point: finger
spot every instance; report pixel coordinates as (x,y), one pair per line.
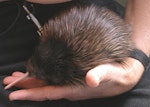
(15,75)
(38,94)
(18,74)
(28,95)
(16,81)
(27,83)
(9,79)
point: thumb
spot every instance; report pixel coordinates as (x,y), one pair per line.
(101,73)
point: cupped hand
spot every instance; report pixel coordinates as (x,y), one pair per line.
(102,81)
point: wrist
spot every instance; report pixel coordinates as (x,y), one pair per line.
(141,57)
(134,70)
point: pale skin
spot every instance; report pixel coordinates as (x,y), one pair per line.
(117,77)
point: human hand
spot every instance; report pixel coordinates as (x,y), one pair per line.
(103,81)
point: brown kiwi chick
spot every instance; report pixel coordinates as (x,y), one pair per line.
(77,40)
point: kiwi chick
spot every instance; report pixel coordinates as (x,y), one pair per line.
(77,40)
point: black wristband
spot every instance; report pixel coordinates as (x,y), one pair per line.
(140,56)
